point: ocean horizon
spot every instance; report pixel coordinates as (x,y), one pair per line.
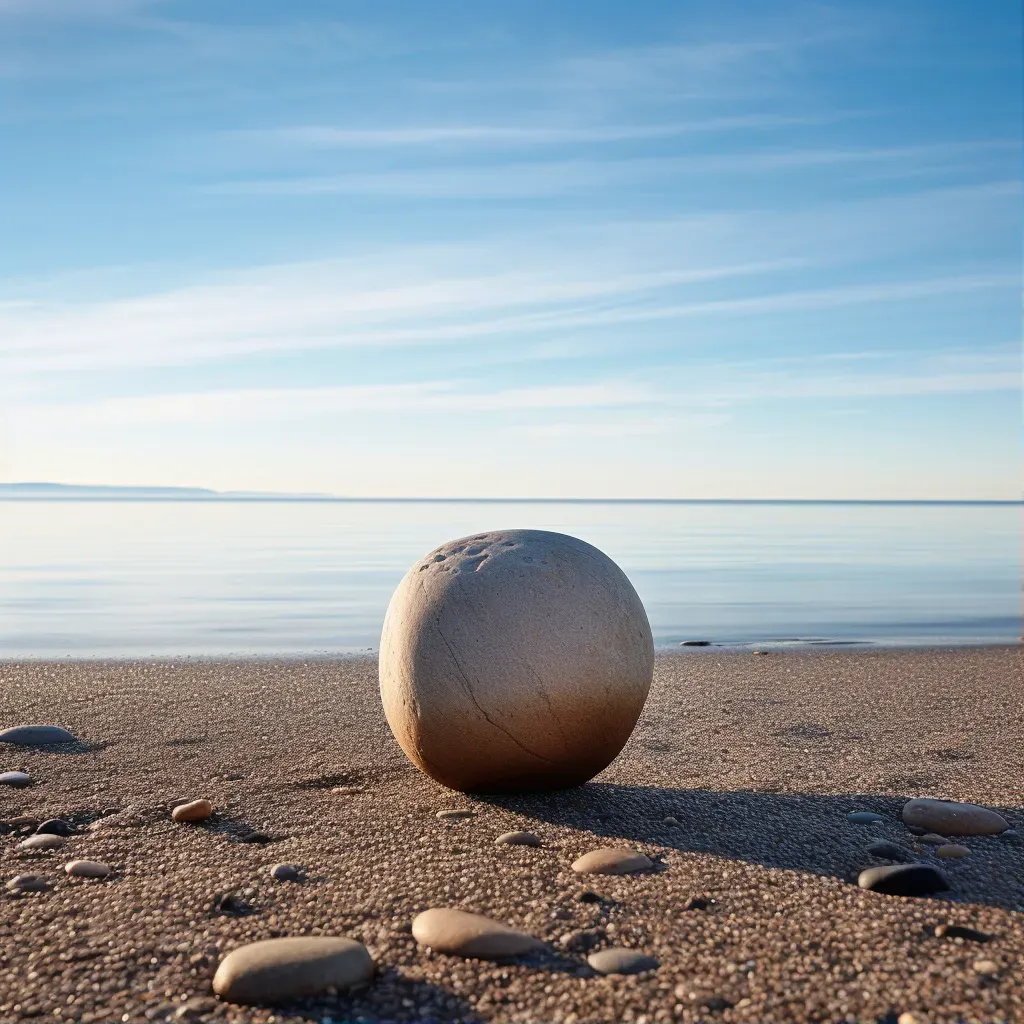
(133,576)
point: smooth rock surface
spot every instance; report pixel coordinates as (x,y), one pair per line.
(619,960)
(15,779)
(47,841)
(931,839)
(518,839)
(195,810)
(55,827)
(953,819)
(87,869)
(285,872)
(864,817)
(903,880)
(952,851)
(511,660)
(455,815)
(471,935)
(277,970)
(37,735)
(611,861)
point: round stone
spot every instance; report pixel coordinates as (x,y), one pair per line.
(285,872)
(517,839)
(28,883)
(47,841)
(952,851)
(197,810)
(471,935)
(278,970)
(513,660)
(671,820)
(611,861)
(953,819)
(55,827)
(15,779)
(37,735)
(903,880)
(619,960)
(87,869)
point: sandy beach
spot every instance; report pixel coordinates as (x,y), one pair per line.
(753,912)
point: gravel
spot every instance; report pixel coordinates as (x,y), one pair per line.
(759,759)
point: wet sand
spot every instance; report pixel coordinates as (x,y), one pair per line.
(759,759)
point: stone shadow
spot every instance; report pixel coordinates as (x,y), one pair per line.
(805,832)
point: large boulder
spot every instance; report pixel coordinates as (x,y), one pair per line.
(519,659)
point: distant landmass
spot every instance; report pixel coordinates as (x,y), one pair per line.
(80,491)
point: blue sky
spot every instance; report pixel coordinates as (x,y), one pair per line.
(687,249)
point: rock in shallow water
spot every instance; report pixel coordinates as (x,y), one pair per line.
(472,935)
(86,869)
(903,880)
(15,779)
(619,960)
(37,735)
(953,819)
(517,839)
(196,810)
(277,970)
(611,861)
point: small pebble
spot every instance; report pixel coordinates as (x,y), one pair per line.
(695,643)
(864,817)
(285,872)
(611,861)
(670,821)
(37,735)
(903,880)
(959,931)
(55,827)
(910,1018)
(933,840)
(987,967)
(47,841)
(470,935)
(87,869)
(888,851)
(197,810)
(619,960)
(278,970)
(16,779)
(952,851)
(455,815)
(517,839)
(28,883)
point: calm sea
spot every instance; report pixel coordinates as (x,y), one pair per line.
(130,578)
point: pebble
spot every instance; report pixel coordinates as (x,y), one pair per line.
(953,819)
(670,821)
(42,842)
(582,941)
(910,1018)
(87,869)
(959,931)
(518,839)
(903,880)
(278,970)
(455,815)
(695,643)
(16,779)
(285,872)
(196,1008)
(933,840)
(952,851)
(471,935)
(197,810)
(55,827)
(255,837)
(985,967)
(611,861)
(888,851)
(864,817)
(619,960)
(37,735)
(28,883)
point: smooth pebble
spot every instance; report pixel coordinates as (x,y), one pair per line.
(471,935)
(953,819)
(611,861)
(517,839)
(933,840)
(888,851)
(278,970)
(37,735)
(87,869)
(196,810)
(952,851)
(864,817)
(619,960)
(903,880)
(15,779)
(285,872)
(55,827)
(455,815)
(48,841)
(28,883)
(986,966)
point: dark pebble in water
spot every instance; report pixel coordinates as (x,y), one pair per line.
(959,931)
(889,851)
(55,827)
(695,643)
(903,880)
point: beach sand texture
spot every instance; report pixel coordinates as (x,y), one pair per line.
(759,759)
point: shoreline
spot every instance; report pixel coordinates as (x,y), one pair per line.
(755,918)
